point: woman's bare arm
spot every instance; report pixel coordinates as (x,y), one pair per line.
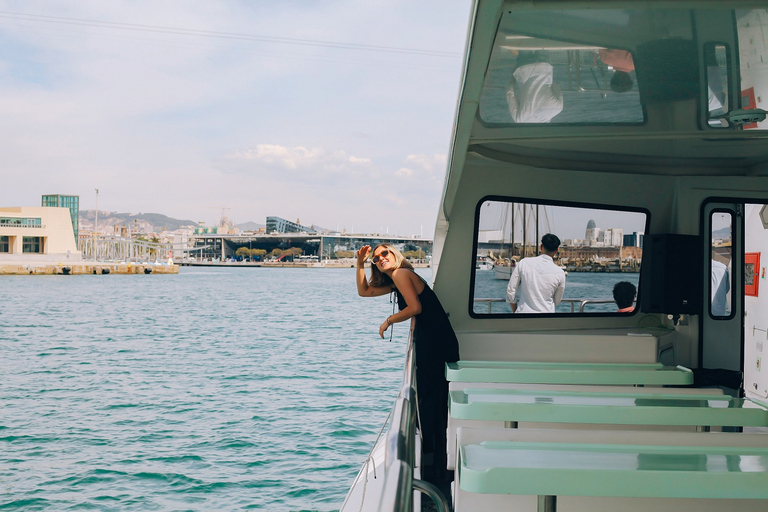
(363,288)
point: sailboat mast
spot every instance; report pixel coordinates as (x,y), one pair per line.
(525,237)
(536,243)
(512,250)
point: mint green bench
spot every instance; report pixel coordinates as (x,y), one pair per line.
(605,408)
(639,374)
(550,469)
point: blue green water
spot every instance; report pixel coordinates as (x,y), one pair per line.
(214,389)
(578,285)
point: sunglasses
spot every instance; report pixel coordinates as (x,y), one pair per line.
(376,258)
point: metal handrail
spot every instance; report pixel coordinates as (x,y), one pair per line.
(400,455)
(572,302)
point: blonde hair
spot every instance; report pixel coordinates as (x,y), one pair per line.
(378,278)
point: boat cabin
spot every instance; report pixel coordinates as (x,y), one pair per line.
(636,132)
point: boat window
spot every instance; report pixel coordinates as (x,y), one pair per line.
(552,66)
(717,65)
(753,62)
(599,248)
(564,67)
(721,273)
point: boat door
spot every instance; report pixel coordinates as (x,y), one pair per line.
(722,314)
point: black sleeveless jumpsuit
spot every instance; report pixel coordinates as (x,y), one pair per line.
(435,344)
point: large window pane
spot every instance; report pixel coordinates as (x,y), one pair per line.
(32,244)
(717,64)
(599,248)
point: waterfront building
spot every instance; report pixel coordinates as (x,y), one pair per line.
(278,225)
(592,232)
(633,240)
(330,246)
(587,256)
(37,234)
(71,202)
(613,237)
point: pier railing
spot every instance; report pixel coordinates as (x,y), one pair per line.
(400,455)
(115,248)
(582,303)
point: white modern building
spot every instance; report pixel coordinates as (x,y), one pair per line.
(37,235)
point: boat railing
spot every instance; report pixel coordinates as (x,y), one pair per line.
(573,302)
(400,455)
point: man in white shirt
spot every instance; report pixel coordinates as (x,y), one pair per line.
(537,284)
(532,95)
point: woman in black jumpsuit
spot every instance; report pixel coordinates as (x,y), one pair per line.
(434,341)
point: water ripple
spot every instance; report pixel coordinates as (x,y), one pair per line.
(256,389)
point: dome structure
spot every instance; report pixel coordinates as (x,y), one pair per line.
(590,228)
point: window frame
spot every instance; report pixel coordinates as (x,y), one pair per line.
(546,202)
(733,285)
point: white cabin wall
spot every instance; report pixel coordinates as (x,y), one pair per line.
(756,309)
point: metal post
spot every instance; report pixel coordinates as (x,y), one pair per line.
(96,224)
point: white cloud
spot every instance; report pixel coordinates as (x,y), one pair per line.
(316,161)
(427,168)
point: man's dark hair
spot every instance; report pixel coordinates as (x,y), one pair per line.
(624,294)
(550,242)
(621,81)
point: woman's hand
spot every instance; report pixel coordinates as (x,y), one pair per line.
(383,327)
(362,255)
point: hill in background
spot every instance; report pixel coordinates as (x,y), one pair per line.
(145,222)
(138,222)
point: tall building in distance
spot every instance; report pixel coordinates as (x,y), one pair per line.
(71,202)
(278,225)
(633,240)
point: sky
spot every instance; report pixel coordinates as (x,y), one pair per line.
(336,113)
(564,221)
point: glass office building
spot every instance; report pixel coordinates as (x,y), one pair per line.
(71,202)
(278,225)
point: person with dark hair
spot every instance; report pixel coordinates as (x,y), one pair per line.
(532,94)
(435,344)
(538,281)
(624,294)
(622,63)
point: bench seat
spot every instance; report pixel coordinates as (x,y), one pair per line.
(605,408)
(646,374)
(454,424)
(630,471)
(601,471)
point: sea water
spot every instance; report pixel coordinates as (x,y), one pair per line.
(213,390)
(578,286)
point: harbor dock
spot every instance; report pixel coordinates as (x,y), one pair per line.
(82,268)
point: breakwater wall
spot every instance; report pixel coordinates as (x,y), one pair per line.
(18,269)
